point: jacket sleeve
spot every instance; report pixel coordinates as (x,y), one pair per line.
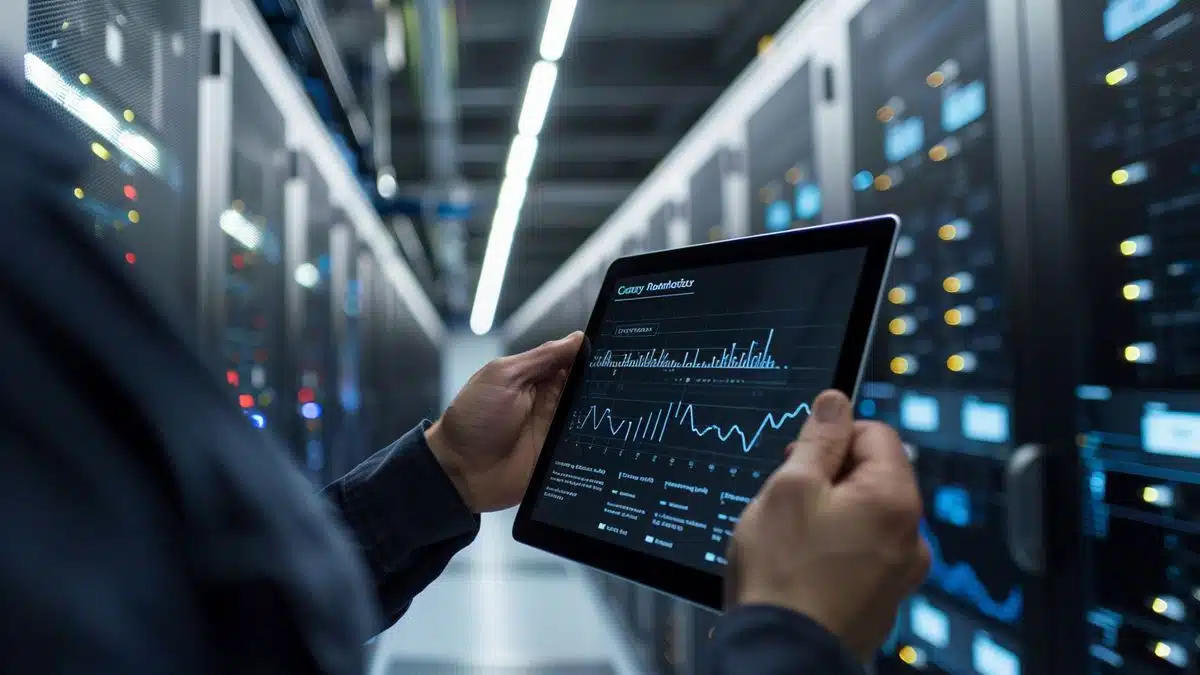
(406,516)
(767,640)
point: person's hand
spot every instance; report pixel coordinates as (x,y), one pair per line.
(834,532)
(489,439)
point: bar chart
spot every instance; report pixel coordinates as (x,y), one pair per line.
(733,356)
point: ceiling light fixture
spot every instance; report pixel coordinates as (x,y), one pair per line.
(511,198)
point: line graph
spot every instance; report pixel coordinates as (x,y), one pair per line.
(728,357)
(961,581)
(652,427)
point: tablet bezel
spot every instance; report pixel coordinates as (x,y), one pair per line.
(876,234)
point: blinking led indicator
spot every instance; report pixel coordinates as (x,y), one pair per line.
(1116,76)
(953,317)
(134,216)
(85,79)
(101,151)
(902,365)
(129,116)
(231,376)
(79,194)
(908,655)
(935,79)
(130,258)
(938,153)
(885,114)
(246,400)
(883,182)
(130,192)
(1120,177)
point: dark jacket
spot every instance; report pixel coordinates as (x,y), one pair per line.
(147,526)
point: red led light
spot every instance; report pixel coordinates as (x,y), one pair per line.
(130,192)
(130,258)
(239,261)
(246,401)
(232,378)
(306,395)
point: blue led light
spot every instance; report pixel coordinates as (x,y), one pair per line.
(808,201)
(257,419)
(310,410)
(867,407)
(862,181)
(779,216)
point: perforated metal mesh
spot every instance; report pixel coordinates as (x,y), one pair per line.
(123,74)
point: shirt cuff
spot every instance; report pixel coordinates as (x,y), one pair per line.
(777,640)
(400,500)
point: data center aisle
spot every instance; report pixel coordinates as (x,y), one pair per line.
(505,609)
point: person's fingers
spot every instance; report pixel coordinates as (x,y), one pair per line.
(544,361)
(877,448)
(825,438)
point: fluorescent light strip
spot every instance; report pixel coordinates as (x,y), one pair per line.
(139,148)
(558,27)
(521,156)
(517,169)
(537,98)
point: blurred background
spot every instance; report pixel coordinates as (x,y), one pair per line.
(355,204)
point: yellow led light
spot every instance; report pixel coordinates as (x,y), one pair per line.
(883,183)
(134,217)
(885,114)
(897,295)
(1128,247)
(1149,494)
(952,285)
(900,365)
(953,317)
(935,79)
(1115,77)
(1158,605)
(897,326)
(78,193)
(908,655)
(129,116)
(1131,291)
(1120,177)
(1133,353)
(100,151)
(947,232)
(1162,650)
(264,399)
(938,152)
(85,79)
(956,363)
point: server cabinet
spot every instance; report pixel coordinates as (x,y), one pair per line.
(785,189)
(1117,203)
(312,356)
(706,200)
(247,309)
(125,81)
(349,444)
(373,325)
(935,93)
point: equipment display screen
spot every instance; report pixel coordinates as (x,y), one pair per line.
(695,383)
(925,148)
(1133,99)
(785,192)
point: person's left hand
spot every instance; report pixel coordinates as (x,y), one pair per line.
(490,437)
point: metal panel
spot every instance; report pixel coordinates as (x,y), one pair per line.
(125,80)
(929,129)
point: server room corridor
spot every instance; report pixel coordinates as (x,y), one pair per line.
(502,608)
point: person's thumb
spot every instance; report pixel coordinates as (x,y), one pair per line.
(824,440)
(544,361)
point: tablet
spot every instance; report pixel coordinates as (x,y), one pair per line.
(698,369)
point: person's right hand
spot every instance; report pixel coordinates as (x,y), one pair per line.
(834,532)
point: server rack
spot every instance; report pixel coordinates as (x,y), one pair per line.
(125,80)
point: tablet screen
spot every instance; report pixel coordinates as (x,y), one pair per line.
(695,382)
